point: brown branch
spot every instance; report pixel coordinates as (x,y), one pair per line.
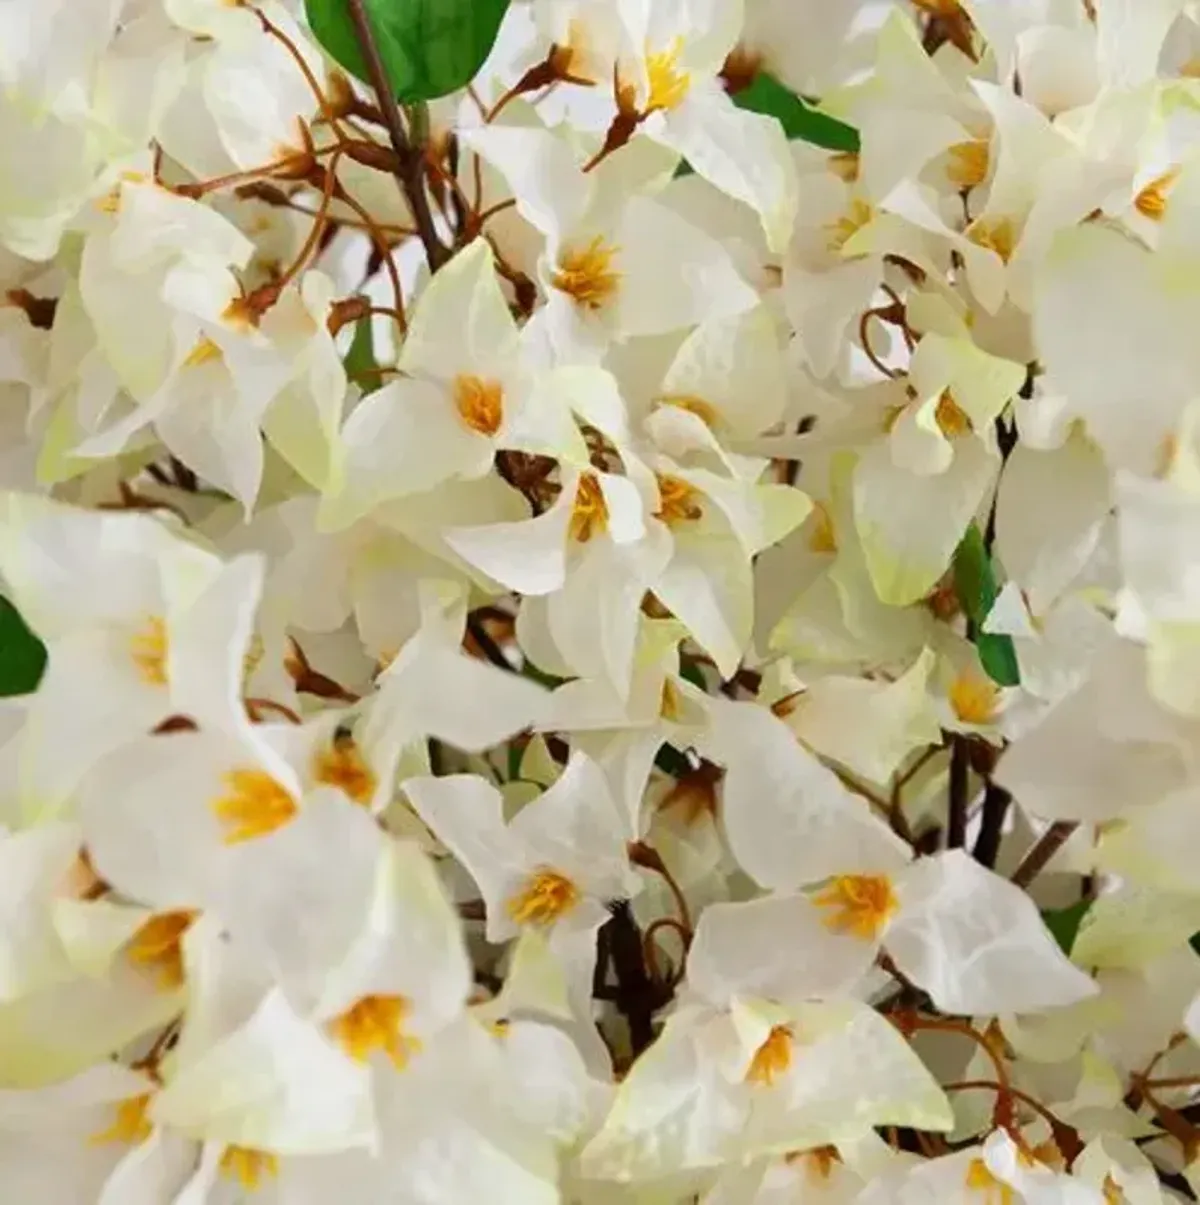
(411,174)
(1047,845)
(960,787)
(991,825)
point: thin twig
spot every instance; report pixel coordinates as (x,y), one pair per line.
(1047,845)
(411,175)
(991,825)
(960,787)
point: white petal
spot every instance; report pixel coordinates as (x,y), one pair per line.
(976,943)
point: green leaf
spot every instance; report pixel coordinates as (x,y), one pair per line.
(975,582)
(429,47)
(1064,923)
(22,654)
(360,362)
(672,762)
(767,95)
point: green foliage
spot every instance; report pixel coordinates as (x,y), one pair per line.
(429,48)
(1064,923)
(800,122)
(975,582)
(360,362)
(22,654)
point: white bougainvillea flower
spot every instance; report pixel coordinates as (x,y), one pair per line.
(746,1066)
(130,614)
(469,390)
(592,555)
(556,865)
(608,268)
(676,53)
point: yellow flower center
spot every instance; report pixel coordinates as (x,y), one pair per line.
(205,352)
(342,765)
(844,165)
(667,84)
(589,515)
(248,1166)
(586,273)
(951,419)
(994,234)
(772,1058)
(861,904)
(819,1161)
(678,502)
(981,1180)
(821,535)
(973,698)
(149,651)
(670,704)
(968,163)
(1151,202)
(256,805)
(158,946)
(131,1125)
(546,896)
(376,1023)
(705,412)
(849,224)
(480,402)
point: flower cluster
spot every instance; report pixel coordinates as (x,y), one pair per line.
(596,639)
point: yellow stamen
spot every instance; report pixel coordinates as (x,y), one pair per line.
(678,502)
(974,698)
(667,84)
(860,904)
(149,651)
(1151,202)
(343,765)
(705,412)
(204,352)
(256,805)
(586,273)
(132,1125)
(247,1166)
(158,946)
(670,704)
(546,896)
(480,402)
(981,1180)
(821,535)
(773,1058)
(589,516)
(849,224)
(969,162)
(951,418)
(844,165)
(994,234)
(376,1023)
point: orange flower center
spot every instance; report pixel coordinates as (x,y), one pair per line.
(158,946)
(148,649)
(546,896)
(994,234)
(376,1023)
(1151,202)
(589,516)
(586,274)
(480,402)
(951,418)
(342,765)
(968,163)
(678,502)
(773,1058)
(667,84)
(255,806)
(860,904)
(130,1127)
(974,698)
(248,1166)
(821,536)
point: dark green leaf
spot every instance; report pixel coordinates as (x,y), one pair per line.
(691,672)
(1064,923)
(767,95)
(22,654)
(975,582)
(672,762)
(429,47)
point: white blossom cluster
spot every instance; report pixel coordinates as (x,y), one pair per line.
(597,653)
